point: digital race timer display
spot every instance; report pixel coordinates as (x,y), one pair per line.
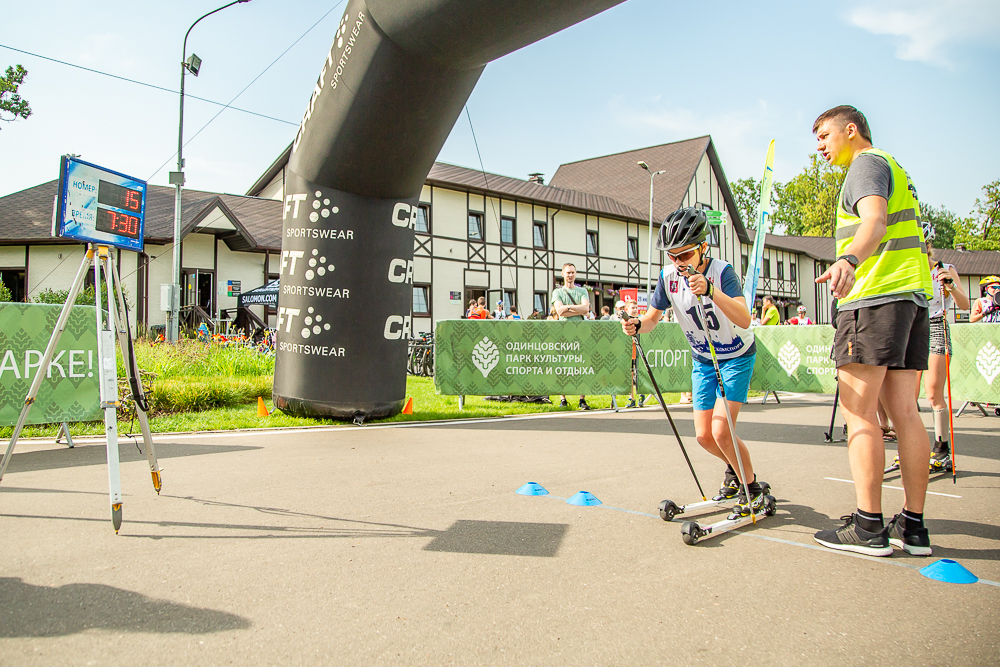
(97,205)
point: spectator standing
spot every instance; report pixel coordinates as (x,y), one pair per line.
(800,318)
(513,313)
(479,311)
(769,312)
(987,306)
(605,313)
(882,284)
(571,302)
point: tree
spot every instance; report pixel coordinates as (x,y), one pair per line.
(808,202)
(10,101)
(746,192)
(982,230)
(5,294)
(945,224)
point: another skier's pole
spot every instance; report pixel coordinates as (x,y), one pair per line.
(659,396)
(951,419)
(725,403)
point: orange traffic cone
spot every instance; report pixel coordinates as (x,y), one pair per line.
(408,408)
(261,408)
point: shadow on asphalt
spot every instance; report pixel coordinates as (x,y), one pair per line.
(501,538)
(43,611)
(92,455)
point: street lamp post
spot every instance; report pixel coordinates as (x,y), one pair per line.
(193,65)
(649,262)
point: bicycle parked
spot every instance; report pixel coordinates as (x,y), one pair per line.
(420,360)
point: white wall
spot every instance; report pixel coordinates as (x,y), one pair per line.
(247,267)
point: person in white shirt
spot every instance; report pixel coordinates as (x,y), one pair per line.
(801,319)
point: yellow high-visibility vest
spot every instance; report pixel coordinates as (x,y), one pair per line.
(899,264)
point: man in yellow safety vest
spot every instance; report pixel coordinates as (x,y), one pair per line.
(881,280)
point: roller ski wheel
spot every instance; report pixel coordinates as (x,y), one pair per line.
(691,532)
(669,509)
(770,504)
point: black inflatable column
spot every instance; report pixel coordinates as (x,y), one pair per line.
(389,92)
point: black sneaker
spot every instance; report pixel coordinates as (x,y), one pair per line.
(730,486)
(852,537)
(755,505)
(914,541)
(583,405)
(564,403)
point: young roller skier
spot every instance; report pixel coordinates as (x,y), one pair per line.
(692,273)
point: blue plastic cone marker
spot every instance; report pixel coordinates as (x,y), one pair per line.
(950,571)
(532,489)
(584,498)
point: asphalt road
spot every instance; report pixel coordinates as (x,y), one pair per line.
(370,544)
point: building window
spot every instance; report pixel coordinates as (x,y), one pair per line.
(743,260)
(541,304)
(781,269)
(475,226)
(423,219)
(509,300)
(421,300)
(713,235)
(633,249)
(765,270)
(792,271)
(538,232)
(13,279)
(507,235)
(592,244)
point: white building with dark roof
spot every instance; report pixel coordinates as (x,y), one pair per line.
(478,234)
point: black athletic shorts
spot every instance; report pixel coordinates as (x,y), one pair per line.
(895,335)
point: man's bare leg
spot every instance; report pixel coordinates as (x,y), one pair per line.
(914,447)
(859,391)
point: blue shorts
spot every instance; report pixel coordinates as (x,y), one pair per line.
(735,374)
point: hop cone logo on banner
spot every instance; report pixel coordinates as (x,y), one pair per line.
(988,362)
(789,357)
(485,356)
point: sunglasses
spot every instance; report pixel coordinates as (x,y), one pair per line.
(682,256)
(992,287)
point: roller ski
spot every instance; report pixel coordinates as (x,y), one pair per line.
(730,490)
(940,460)
(762,505)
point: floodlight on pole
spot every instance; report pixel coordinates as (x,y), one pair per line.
(193,65)
(649,261)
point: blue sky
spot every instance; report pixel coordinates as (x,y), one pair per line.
(926,74)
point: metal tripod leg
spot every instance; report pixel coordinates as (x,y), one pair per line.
(64,428)
(124,330)
(108,373)
(50,349)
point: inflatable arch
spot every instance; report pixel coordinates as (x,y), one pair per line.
(395,80)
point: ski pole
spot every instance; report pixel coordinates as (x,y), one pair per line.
(833,415)
(659,396)
(702,321)
(951,420)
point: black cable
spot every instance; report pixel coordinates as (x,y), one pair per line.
(143,83)
(301,37)
(482,168)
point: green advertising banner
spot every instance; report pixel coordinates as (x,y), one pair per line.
(543,358)
(794,358)
(70,392)
(530,357)
(975,368)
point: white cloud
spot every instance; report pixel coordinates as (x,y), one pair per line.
(924,30)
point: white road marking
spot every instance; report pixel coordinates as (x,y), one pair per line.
(897,488)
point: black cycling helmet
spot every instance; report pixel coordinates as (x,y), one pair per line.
(683,227)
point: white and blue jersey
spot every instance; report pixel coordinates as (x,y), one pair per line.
(672,291)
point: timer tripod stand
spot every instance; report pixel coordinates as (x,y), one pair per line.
(107,371)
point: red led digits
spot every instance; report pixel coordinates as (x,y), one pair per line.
(133,200)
